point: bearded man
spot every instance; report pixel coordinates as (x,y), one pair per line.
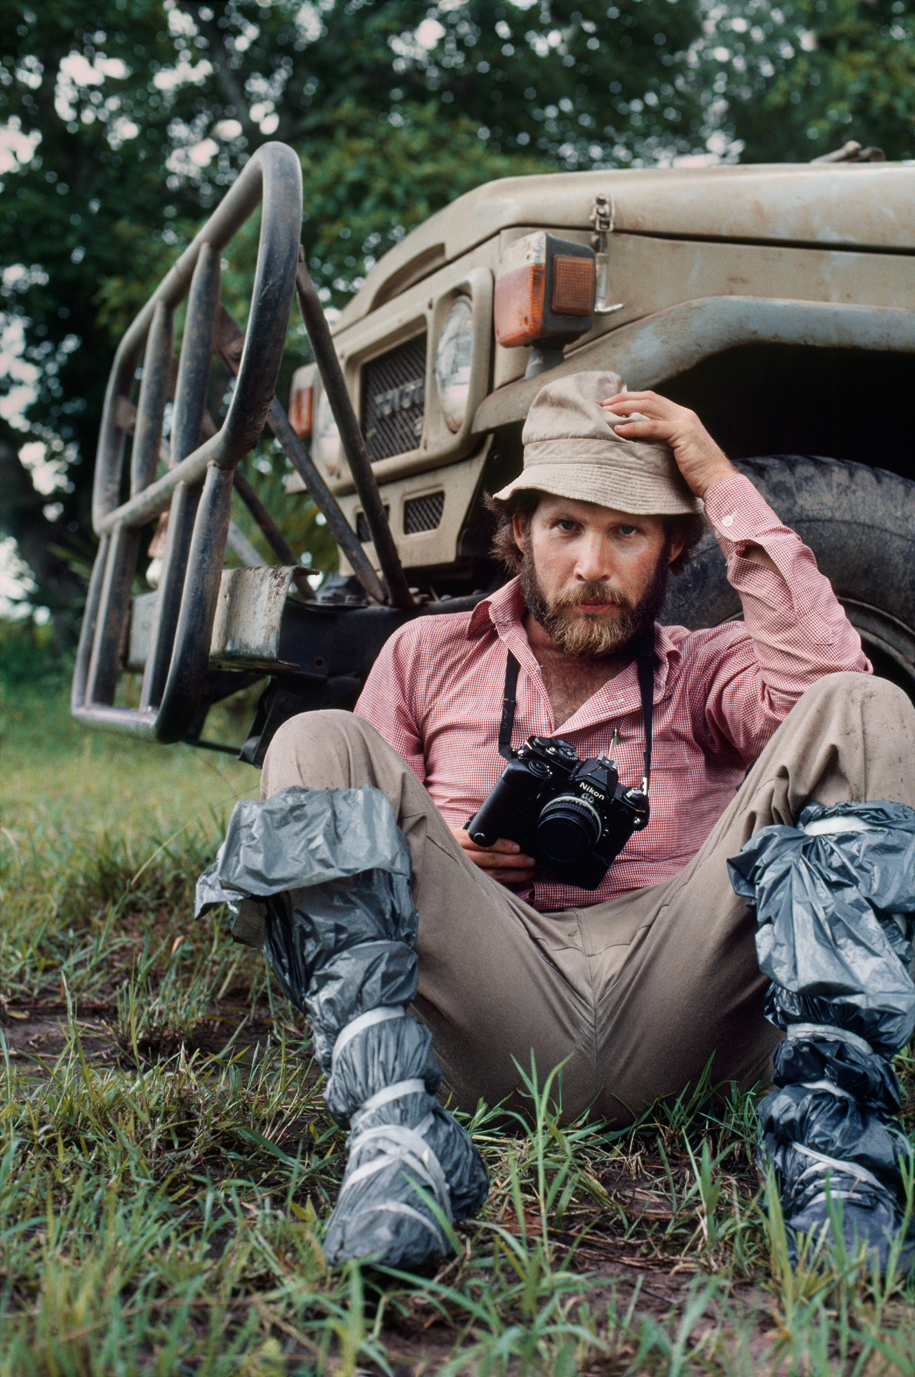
(638,986)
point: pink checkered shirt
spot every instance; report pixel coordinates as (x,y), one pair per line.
(435,695)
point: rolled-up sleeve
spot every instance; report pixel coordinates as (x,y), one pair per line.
(798,629)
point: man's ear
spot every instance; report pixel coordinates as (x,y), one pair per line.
(678,540)
(518,524)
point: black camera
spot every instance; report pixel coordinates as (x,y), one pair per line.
(570,815)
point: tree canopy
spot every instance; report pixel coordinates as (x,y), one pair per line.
(123,125)
(800,78)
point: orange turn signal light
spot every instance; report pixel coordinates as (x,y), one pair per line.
(518,305)
(302,401)
(573,286)
(545,291)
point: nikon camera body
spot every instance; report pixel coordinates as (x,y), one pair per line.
(572,816)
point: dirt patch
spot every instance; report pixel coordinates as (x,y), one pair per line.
(36,1035)
(39,1037)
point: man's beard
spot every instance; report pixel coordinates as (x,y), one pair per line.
(592,636)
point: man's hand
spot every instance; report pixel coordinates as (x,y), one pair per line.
(699,459)
(502,861)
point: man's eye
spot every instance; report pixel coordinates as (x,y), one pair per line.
(567,525)
(628,530)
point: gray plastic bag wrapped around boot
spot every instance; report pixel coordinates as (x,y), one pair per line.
(331,870)
(835,900)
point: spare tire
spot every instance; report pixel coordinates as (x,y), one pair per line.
(860,524)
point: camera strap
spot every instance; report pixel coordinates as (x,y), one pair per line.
(646,689)
(508,708)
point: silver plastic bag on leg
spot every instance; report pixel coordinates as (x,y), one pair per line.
(332,870)
(835,903)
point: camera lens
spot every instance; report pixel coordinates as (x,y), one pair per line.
(568,829)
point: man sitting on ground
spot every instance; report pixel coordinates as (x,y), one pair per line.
(636,981)
(635,987)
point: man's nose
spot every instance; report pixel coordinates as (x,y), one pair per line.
(594,563)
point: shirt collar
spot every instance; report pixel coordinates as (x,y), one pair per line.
(501,610)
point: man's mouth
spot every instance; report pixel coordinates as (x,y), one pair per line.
(591,606)
(595,606)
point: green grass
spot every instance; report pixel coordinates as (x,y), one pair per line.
(166,1164)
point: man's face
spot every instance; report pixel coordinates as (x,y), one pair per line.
(593,577)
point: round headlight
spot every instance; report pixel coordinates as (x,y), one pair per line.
(326,439)
(452,363)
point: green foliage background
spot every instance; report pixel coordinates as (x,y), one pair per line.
(802,77)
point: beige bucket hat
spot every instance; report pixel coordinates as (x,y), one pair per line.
(571,450)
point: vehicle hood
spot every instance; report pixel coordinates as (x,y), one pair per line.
(842,205)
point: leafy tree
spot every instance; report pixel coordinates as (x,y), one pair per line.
(801,78)
(125,123)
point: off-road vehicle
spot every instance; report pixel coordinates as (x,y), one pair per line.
(777,301)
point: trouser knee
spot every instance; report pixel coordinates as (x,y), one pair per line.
(862,693)
(853,737)
(321,750)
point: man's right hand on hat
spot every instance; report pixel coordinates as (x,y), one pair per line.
(701,461)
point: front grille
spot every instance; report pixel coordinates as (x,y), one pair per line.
(362,525)
(393,389)
(423,513)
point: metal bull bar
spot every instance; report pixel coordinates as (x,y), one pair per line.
(197,487)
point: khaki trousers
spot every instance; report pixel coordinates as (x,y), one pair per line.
(634,996)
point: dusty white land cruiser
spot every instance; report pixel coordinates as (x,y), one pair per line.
(777,301)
